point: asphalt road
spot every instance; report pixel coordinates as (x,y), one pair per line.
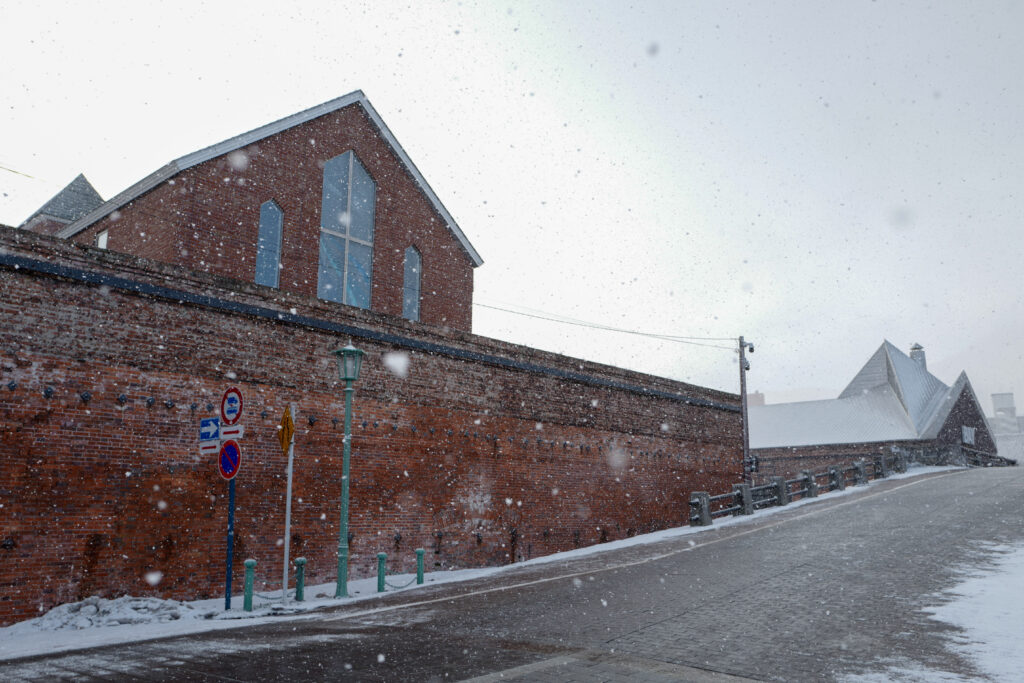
(811,593)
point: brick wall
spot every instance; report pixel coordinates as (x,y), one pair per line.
(789,462)
(207,217)
(966,413)
(506,452)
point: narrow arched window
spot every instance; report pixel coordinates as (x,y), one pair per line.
(411,284)
(268,245)
(346,232)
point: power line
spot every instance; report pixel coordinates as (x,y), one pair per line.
(597,326)
(11,170)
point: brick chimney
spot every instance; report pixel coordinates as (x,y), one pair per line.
(917,355)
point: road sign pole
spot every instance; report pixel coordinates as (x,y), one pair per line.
(288,515)
(231,541)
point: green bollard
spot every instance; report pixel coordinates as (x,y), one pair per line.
(250,571)
(300,579)
(382,558)
(419,566)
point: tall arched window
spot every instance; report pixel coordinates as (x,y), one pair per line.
(411,284)
(268,245)
(346,232)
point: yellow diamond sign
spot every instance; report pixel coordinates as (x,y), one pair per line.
(286,430)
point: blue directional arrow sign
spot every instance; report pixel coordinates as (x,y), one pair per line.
(209,429)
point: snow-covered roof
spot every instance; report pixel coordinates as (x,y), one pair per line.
(892,398)
(873,416)
(71,203)
(919,391)
(189,160)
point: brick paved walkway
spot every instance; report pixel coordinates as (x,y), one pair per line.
(811,593)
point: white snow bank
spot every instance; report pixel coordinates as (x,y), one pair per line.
(988,606)
(99,612)
(98,621)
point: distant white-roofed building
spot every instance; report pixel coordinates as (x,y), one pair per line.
(893,405)
(1007,426)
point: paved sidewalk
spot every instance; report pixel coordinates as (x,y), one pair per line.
(812,593)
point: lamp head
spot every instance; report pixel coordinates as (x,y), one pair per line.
(350,359)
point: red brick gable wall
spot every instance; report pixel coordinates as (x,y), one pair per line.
(476,461)
(207,217)
(965,413)
(45,225)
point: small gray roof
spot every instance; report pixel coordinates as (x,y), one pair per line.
(892,398)
(178,165)
(77,199)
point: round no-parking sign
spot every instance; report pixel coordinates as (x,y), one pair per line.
(230,459)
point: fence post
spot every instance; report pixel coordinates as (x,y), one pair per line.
(862,472)
(419,566)
(702,501)
(250,571)
(812,484)
(300,579)
(746,499)
(781,490)
(884,467)
(838,479)
(381,559)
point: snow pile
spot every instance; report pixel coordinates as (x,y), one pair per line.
(988,607)
(101,612)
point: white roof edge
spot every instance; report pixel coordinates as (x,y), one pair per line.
(239,141)
(422,182)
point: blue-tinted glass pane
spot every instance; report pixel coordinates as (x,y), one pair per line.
(360,259)
(411,285)
(330,284)
(268,247)
(363,195)
(334,213)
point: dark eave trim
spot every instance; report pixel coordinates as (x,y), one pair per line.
(216,303)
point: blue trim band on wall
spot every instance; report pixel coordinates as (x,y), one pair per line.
(158,291)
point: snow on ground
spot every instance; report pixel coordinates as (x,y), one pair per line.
(98,621)
(988,605)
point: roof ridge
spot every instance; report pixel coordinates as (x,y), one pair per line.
(174,167)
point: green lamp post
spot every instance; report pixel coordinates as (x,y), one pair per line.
(349,361)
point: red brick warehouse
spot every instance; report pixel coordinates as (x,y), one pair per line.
(483,453)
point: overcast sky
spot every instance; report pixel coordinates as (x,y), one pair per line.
(815,176)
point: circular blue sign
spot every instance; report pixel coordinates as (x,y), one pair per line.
(230,459)
(231,406)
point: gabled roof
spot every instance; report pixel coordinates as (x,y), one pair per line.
(945,405)
(919,391)
(892,398)
(77,199)
(189,160)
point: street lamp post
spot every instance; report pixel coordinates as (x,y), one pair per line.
(349,360)
(744,366)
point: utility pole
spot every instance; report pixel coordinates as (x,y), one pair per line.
(744,366)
